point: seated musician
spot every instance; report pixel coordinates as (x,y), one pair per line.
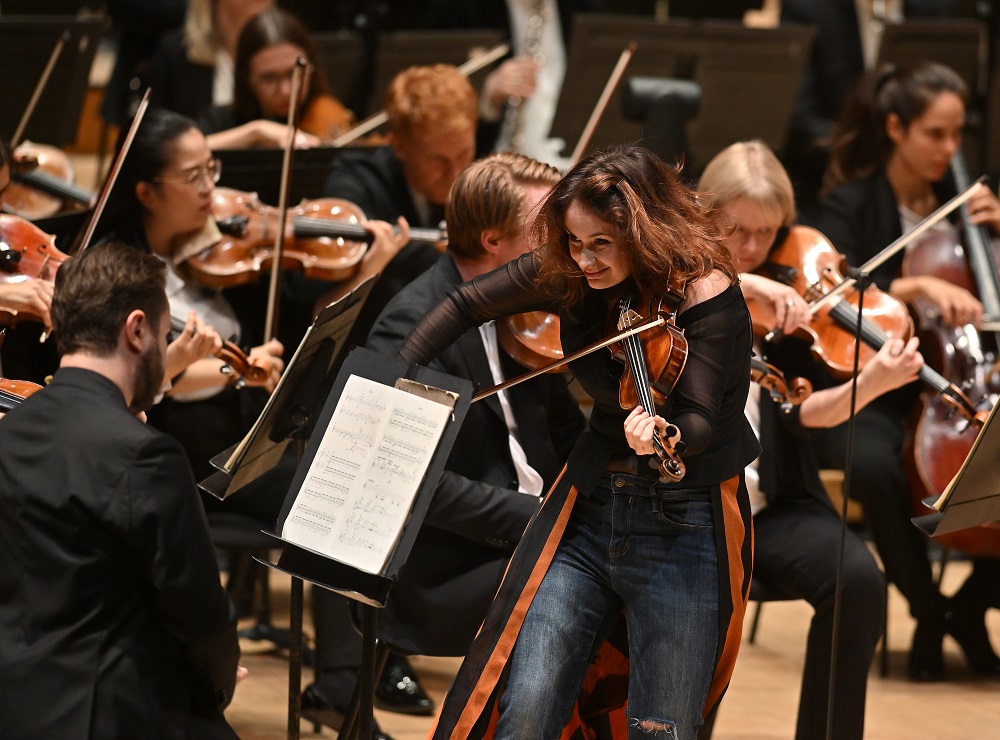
(509,452)
(113,621)
(33,297)
(890,169)
(268,48)
(432,124)
(796,529)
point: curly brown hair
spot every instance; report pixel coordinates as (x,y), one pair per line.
(665,232)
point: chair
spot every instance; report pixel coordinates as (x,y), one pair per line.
(241,534)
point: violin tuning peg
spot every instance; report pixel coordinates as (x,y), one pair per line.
(240,384)
(226,369)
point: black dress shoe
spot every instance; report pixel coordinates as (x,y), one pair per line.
(968,627)
(926,662)
(321,713)
(397,689)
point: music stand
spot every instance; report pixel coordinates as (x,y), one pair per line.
(973,497)
(957,43)
(253,170)
(748,76)
(27,42)
(398,50)
(369,588)
(340,54)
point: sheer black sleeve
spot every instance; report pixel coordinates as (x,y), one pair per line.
(707,404)
(509,289)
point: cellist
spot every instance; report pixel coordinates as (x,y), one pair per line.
(891,154)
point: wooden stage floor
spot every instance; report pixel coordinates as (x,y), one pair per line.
(761,702)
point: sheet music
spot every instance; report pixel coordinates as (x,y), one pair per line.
(361,484)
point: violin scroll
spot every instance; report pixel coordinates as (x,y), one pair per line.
(772,380)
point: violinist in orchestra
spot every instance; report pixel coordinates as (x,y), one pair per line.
(29,296)
(796,529)
(113,621)
(192,67)
(620,235)
(889,169)
(266,55)
(510,450)
(432,115)
(162,204)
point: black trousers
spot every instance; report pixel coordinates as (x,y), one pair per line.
(879,483)
(795,555)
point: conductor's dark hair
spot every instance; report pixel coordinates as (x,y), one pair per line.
(98,288)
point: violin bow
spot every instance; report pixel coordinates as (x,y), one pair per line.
(39,87)
(658,321)
(889,251)
(602,103)
(271,317)
(116,167)
(375,120)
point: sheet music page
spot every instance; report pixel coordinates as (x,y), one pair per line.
(361,484)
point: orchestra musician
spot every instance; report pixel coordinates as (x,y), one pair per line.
(510,449)
(162,204)
(432,125)
(113,621)
(891,154)
(266,54)
(192,67)
(674,555)
(31,296)
(796,529)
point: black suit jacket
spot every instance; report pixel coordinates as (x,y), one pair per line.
(113,622)
(178,83)
(374,181)
(477,515)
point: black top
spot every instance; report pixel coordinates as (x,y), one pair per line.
(706,405)
(113,622)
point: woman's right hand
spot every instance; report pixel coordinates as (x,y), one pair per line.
(30,296)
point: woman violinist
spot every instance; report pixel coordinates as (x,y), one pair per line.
(162,203)
(796,530)
(889,166)
(674,555)
(268,48)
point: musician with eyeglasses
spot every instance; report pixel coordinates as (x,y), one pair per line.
(266,56)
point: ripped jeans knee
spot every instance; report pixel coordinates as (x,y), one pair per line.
(654,727)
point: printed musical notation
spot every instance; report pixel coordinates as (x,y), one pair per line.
(366,472)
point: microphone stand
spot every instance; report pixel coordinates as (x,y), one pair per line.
(861,280)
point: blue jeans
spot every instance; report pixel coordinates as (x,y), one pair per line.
(656,557)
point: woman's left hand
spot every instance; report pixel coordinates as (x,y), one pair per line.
(639,428)
(984,209)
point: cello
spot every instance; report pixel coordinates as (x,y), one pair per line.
(966,356)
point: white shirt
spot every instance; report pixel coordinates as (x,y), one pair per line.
(528,479)
(222,79)
(872,17)
(211,307)
(752,410)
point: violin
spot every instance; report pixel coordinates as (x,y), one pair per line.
(42,183)
(809,263)
(245,372)
(532,339)
(26,253)
(13,392)
(648,384)
(324,239)
(771,379)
